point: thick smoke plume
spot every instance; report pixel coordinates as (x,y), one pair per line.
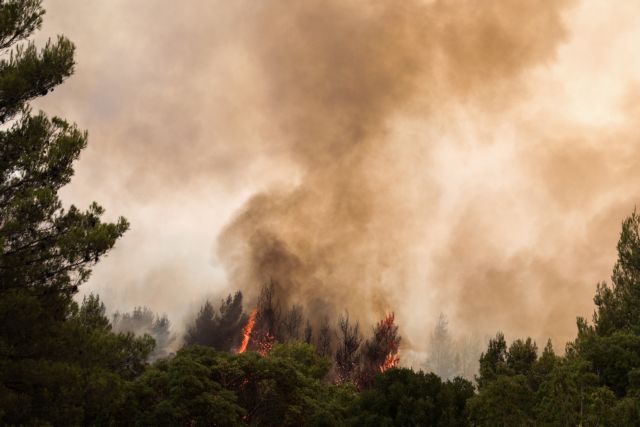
(338,73)
(473,158)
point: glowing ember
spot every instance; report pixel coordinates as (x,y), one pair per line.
(266,344)
(246,331)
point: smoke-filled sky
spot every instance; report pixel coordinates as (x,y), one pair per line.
(468,157)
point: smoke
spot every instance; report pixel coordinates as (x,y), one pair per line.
(337,75)
(472,158)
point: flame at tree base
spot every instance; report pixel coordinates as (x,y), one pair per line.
(387,331)
(246,331)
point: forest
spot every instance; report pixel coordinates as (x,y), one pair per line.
(65,361)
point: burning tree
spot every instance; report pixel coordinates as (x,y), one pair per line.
(267,321)
(381,351)
(247,330)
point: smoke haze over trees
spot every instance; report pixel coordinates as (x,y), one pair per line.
(143,321)
(332,266)
(518,102)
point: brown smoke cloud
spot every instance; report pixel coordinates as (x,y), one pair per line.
(337,73)
(474,158)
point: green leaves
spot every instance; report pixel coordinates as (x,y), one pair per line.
(58,364)
(618,305)
(203,387)
(29,73)
(18,19)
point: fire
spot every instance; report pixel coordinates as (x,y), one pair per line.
(246,331)
(387,328)
(391,361)
(266,344)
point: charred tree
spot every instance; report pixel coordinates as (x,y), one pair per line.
(380,352)
(347,355)
(268,321)
(324,341)
(308,333)
(292,324)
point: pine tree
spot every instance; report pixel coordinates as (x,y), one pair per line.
(380,352)
(618,305)
(46,251)
(218,329)
(348,353)
(441,359)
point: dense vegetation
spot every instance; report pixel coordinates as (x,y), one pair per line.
(66,363)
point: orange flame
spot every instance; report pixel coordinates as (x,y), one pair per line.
(246,331)
(393,357)
(391,361)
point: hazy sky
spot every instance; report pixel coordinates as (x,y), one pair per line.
(472,158)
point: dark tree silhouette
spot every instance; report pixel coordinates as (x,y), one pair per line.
(221,330)
(347,355)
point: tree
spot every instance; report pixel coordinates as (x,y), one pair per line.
(347,355)
(292,323)
(84,383)
(618,305)
(380,352)
(203,387)
(570,395)
(308,332)
(521,357)
(441,359)
(221,330)
(324,342)
(493,362)
(143,320)
(505,379)
(46,251)
(406,398)
(505,401)
(468,350)
(268,328)
(612,344)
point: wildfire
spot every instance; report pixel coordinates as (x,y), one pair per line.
(266,344)
(246,331)
(391,361)
(387,328)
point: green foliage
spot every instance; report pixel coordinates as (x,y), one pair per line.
(18,19)
(493,362)
(81,379)
(59,364)
(505,401)
(598,381)
(570,394)
(614,357)
(203,387)
(27,73)
(618,305)
(62,363)
(403,397)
